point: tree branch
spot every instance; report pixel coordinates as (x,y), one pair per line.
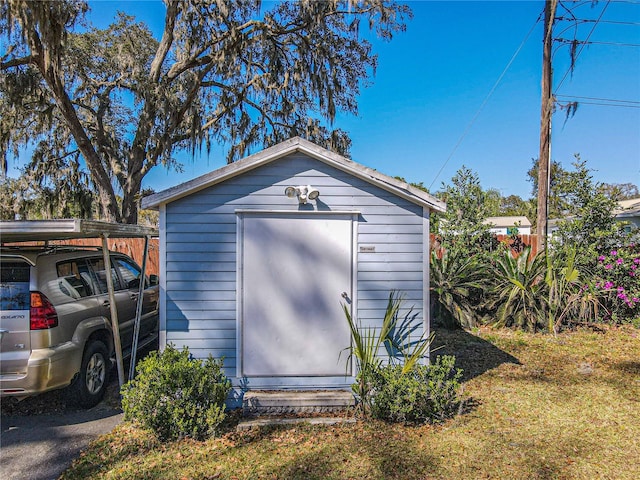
(165,42)
(17,62)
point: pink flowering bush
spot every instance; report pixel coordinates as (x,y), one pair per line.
(618,277)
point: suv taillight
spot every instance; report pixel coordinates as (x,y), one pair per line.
(43,313)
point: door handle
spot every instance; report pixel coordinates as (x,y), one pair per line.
(106,304)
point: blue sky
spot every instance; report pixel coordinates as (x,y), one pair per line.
(428,110)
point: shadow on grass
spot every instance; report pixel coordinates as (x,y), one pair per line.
(474,355)
(379,451)
(628,367)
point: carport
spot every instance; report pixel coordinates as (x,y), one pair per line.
(23,231)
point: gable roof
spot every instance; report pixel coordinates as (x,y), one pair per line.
(627,208)
(508,221)
(293,145)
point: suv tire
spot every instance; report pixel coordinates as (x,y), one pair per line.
(89,386)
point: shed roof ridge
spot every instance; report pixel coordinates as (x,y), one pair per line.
(280,150)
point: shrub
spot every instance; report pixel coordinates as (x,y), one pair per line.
(177,396)
(518,293)
(394,336)
(457,283)
(424,394)
(617,277)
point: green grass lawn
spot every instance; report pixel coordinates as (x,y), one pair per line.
(538,406)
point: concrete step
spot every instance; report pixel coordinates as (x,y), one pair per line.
(281,402)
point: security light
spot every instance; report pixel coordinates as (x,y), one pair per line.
(290,192)
(312,193)
(303,192)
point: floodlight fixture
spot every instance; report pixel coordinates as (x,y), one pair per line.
(303,192)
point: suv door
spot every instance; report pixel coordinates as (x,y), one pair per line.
(125,275)
(124,303)
(130,275)
(15,301)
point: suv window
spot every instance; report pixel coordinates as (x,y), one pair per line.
(97,264)
(14,285)
(129,272)
(75,279)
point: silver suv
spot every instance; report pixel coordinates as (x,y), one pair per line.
(55,327)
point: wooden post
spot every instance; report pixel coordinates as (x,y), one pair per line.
(544,159)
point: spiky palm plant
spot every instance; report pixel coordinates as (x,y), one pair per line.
(518,293)
(398,338)
(571,296)
(456,285)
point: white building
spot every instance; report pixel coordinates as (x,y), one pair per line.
(509,225)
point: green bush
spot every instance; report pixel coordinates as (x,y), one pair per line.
(177,396)
(424,394)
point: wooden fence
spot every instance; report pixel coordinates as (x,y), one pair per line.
(517,244)
(521,242)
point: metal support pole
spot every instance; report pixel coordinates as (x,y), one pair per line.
(115,325)
(136,327)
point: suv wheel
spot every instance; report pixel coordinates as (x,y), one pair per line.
(88,388)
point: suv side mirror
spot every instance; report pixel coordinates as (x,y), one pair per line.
(154,280)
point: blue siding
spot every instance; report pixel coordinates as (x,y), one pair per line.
(200,248)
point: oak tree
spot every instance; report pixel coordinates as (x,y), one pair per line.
(122,101)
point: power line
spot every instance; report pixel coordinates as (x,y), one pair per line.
(583,45)
(616,44)
(493,89)
(600,99)
(604,104)
(611,22)
(591,20)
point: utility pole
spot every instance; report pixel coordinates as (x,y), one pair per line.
(544,159)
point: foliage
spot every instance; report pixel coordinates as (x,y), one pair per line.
(457,283)
(571,296)
(517,294)
(493,201)
(618,274)
(177,396)
(49,188)
(514,205)
(589,224)
(424,394)
(461,228)
(394,337)
(620,191)
(558,204)
(238,74)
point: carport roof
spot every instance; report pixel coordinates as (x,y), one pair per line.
(296,144)
(43,230)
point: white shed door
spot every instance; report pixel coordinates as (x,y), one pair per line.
(294,271)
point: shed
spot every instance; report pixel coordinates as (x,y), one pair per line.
(256,258)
